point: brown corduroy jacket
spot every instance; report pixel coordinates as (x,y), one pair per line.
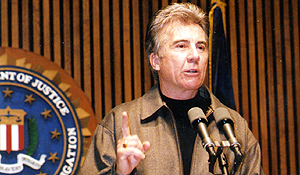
(152,121)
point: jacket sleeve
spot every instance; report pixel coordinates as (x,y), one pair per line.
(252,156)
(101,156)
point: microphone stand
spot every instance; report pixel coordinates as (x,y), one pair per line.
(221,157)
(222,161)
(212,159)
(238,158)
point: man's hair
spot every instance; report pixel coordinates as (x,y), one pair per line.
(185,12)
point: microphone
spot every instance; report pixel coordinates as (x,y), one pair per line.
(225,124)
(199,121)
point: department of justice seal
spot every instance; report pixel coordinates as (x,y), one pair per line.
(40,132)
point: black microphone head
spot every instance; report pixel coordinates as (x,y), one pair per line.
(221,114)
(196,113)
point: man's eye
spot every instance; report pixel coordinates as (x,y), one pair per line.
(181,46)
(202,48)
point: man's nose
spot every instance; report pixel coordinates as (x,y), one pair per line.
(194,55)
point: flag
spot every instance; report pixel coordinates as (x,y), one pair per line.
(220,81)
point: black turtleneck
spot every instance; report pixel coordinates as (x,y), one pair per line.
(186,133)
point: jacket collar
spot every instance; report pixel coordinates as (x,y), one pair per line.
(153,102)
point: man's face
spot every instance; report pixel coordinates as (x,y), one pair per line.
(183,60)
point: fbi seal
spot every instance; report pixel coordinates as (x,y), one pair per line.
(40,132)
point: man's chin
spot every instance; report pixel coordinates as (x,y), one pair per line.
(192,85)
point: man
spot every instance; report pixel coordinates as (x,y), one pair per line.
(152,134)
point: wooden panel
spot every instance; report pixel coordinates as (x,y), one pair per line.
(234,50)
(147,81)
(106,56)
(288,92)
(67,37)
(14,24)
(55,54)
(279,110)
(243,63)
(76,42)
(97,95)
(36,27)
(165,3)
(268,39)
(296,75)
(252,69)
(4,23)
(46,29)
(270,88)
(85,48)
(127,51)
(117,53)
(100,44)
(136,46)
(262,101)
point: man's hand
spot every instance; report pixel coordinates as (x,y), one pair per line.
(130,149)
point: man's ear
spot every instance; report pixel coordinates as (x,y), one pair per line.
(154,61)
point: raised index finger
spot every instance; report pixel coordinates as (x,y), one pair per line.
(125,125)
